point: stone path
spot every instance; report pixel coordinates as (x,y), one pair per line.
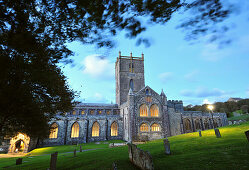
(25,154)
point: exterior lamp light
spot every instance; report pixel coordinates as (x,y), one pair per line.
(211,108)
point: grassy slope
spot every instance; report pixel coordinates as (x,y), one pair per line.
(242,117)
(189,151)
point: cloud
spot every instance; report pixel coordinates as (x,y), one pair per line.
(97,98)
(206,101)
(98,67)
(191,77)
(164,77)
(203,92)
(212,52)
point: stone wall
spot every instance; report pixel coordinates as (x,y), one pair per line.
(108,115)
(140,158)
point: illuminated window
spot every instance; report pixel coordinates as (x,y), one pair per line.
(155,127)
(114,129)
(74,112)
(143,110)
(144,127)
(83,112)
(95,130)
(75,130)
(53,131)
(91,112)
(100,111)
(108,112)
(154,110)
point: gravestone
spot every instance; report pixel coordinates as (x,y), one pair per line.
(53,161)
(140,158)
(200,133)
(217,133)
(19,161)
(247,135)
(166,146)
(74,153)
(114,166)
(80,148)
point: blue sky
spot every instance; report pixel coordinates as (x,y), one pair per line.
(195,73)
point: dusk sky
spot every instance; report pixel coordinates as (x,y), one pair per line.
(194,73)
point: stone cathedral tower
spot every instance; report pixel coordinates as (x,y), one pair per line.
(129,73)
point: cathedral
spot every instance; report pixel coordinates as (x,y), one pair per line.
(140,113)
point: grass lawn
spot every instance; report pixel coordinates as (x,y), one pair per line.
(189,151)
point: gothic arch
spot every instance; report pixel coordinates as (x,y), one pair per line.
(144,127)
(197,124)
(75,130)
(155,127)
(187,125)
(206,124)
(95,129)
(154,110)
(143,110)
(53,131)
(114,129)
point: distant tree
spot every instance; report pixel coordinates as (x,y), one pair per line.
(244,109)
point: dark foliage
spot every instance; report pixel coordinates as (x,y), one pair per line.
(33,34)
(222,107)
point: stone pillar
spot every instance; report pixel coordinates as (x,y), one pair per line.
(200,133)
(19,161)
(74,153)
(166,146)
(217,133)
(131,115)
(247,135)
(53,161)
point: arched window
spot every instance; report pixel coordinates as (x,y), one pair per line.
(95,130)
(197,124)
(206,124)
(131,84)
(53,131)
(154,110)
(187,125)
(144,127)
(147,92)
(155,127)
(114,129)
(75,130)
(143,110)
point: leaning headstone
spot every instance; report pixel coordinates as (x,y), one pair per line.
(74,153)
(114,166)
(166,146)
(247,135)
(19,161)
(80,148)
(53,161)
(217,133)
(200,133)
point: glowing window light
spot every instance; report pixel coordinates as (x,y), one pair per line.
(143,110)
(144,127)
(155,127)
(95,130)
(75,130)
(114,129)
